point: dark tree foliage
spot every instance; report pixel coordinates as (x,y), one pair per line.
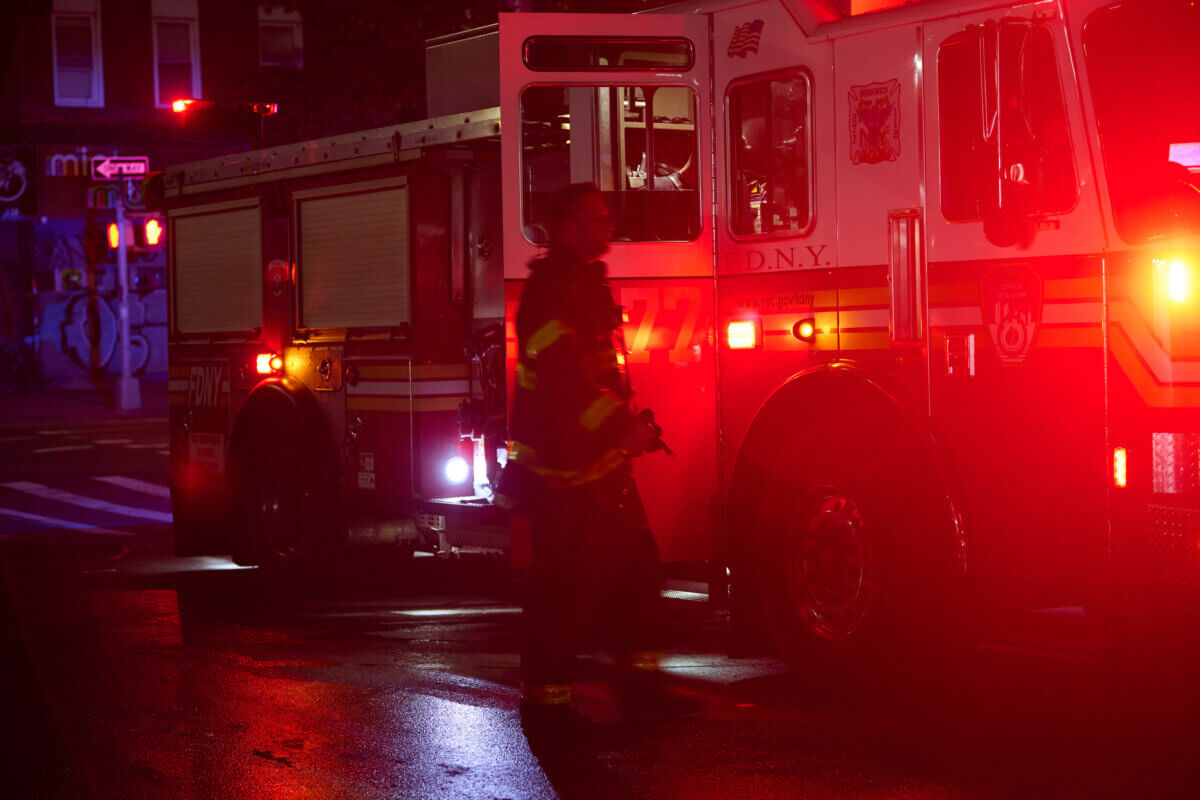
(364,62)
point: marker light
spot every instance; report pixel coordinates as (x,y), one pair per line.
(805,330)
(1179,281)
(154,231)
(457,469)
(114,236)
(742,335)
(1120,467)
(267,363)
(179,106)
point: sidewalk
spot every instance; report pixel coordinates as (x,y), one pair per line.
(52,405)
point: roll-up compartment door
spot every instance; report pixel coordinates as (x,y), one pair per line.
(354,257)
(217,268)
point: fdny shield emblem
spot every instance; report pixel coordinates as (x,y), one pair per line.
(1012,310)
(875,122)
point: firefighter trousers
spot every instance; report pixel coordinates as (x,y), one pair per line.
(594,565)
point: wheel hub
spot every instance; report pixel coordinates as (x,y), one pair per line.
(831,566)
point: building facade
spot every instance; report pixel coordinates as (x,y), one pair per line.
(88,79)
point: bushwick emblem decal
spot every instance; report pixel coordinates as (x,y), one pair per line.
(745,39)
(1012,310)
(874,122)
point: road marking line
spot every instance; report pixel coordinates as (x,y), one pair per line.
(61,523)
(17,438)
(38,490)
(111,441)
(138,486)
(53,433)
(163,452)
(145,446)
(63,449)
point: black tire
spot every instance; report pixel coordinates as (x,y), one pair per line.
(858,559)
(288,500)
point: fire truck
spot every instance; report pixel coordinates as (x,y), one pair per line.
(913,290)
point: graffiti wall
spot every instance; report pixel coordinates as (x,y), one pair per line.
(78,326)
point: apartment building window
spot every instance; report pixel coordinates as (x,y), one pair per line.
(280,38)
(78,69)
(176,51)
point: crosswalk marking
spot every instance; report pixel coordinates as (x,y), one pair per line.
(63,449)
(111,441)
(145,445)
(138,486)
(60,523)
(38,490)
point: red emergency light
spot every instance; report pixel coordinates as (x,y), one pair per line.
(1120,467)
(268,363)
(743,334)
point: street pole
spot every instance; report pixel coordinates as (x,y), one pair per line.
(129,396)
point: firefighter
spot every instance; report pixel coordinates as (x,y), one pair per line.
(574,433)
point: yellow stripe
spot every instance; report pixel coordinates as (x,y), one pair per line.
(545,336)
(567,478)
(866,341)
(381,372)
(871,296)
(1074,288)
(600,410)
(1154,394)
(525,377)
(420,404)
(1070,337)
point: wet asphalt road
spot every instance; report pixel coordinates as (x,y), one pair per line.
(128,673)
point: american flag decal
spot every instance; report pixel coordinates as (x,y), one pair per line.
(745,39)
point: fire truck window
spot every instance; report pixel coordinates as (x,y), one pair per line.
(1005,142)
(1144,66)
(587,53)
(637,143)
(770,192)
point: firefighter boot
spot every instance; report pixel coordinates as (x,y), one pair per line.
(549,717)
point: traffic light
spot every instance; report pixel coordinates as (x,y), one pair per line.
(144,234)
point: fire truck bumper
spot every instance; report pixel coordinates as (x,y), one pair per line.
(464,524)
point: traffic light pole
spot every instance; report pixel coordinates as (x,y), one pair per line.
(129,395)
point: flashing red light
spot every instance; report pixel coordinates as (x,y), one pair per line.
(179,106)
(1120,467)
(154,231)
(742,334)
(268,363)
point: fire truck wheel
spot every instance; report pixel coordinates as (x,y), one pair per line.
(857,562)
(287,508)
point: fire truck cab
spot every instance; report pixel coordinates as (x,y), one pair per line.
(915,294)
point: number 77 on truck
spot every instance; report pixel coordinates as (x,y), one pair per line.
(914,292)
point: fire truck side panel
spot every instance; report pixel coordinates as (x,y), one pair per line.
(1017,367)
(211,342)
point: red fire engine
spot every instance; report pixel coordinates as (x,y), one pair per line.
(915,294)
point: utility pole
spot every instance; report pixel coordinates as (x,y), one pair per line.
(123,169)
(129,393)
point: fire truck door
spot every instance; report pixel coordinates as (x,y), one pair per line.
(623,101)
(880,199)
(1016,358)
